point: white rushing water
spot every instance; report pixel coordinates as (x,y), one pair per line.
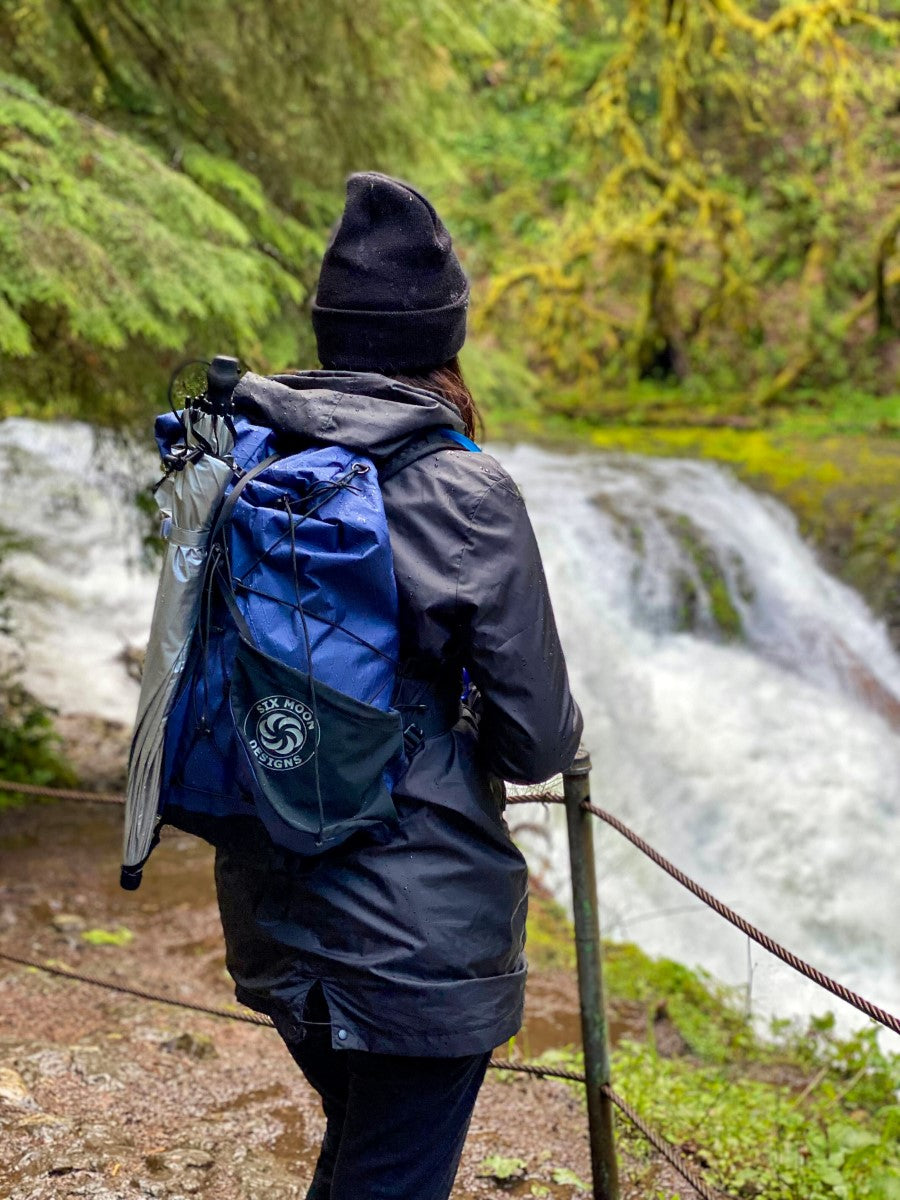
(767,766)
(80,596)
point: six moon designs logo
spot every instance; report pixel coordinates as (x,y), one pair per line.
(282,733)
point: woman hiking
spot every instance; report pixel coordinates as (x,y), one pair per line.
(392,969)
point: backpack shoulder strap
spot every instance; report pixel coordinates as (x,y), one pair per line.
(432,442)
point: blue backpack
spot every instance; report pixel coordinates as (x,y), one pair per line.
(285,708)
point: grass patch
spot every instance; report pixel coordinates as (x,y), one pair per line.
(796,1112)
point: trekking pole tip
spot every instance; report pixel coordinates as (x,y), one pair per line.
(130,878)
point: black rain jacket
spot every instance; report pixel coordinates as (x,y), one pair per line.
(418,943)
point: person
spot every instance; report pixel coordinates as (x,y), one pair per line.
(393,968)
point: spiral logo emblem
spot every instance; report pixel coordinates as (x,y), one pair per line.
(282,733)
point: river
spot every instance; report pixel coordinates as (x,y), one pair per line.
(741,704)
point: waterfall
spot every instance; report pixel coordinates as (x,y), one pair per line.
(79,594)
(741,706)
(741,711)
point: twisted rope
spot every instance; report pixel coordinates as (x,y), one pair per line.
(500,1064)
(881,1015)
(666,1149)
(251,1018)
(245,1015)
(30,789)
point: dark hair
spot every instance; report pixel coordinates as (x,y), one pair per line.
(447,380)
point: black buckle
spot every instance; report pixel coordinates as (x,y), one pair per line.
(179,456)
(413,740)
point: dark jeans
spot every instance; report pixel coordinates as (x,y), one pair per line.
(395,1124)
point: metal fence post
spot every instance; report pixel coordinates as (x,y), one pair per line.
(577,787)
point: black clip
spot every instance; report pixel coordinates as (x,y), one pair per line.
(413,740)
(179,456)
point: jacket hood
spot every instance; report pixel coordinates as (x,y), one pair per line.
(365,412)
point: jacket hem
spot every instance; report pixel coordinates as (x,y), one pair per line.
(358,1027)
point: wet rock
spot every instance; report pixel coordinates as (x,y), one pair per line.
(262,1177)
(41,1120)
(195,1045)
(13,1090)
(149,1187)
(181,1158)
(49,1063)
(92,1189)
(96,748)
(132,658)
(67,923)
(100,1138)
(70,1164)
(669,1042)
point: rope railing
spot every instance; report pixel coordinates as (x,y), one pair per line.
(672,1156)
(665,1148)
(49,793)
(873,1011)
(544,796)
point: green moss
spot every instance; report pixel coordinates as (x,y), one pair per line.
(725,616)
(502,1170)
(756,1137)
(108,937)
(705,1013)
(799,1112)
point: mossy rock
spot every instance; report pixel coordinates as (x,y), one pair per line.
(726,620)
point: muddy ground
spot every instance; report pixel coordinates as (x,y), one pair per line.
(109,1097)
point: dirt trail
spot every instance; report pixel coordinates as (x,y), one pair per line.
(113,1098)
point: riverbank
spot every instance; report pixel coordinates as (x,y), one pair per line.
(788,1112)
(117,1098)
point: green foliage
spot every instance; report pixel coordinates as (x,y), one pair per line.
(697,192)
(757,1138)
(111,253)
(550,945)
(798,1112)
(705,1013)
(503,1170)
(168,173)
(565,1176)
(29,745)
(688,191)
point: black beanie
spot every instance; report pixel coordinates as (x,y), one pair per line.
(392,296)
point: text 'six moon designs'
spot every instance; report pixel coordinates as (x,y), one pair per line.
(282,732)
